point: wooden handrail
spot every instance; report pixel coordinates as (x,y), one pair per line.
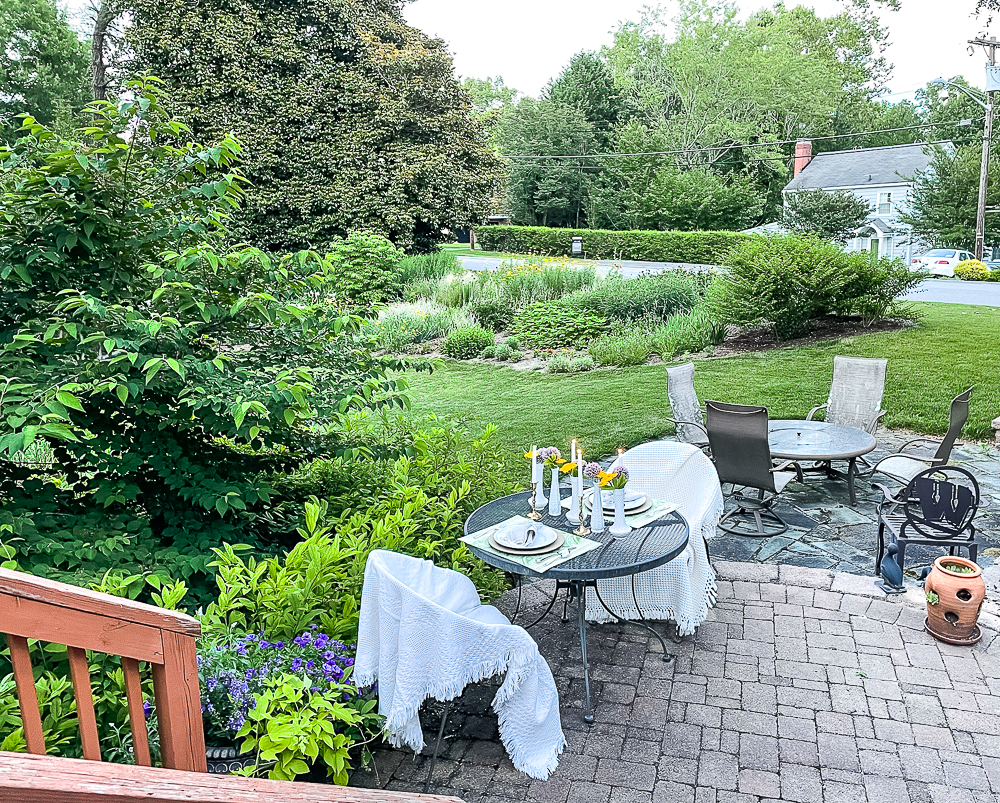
(41,779)
(46,610)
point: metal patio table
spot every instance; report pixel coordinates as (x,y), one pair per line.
(644,548)
(820,441)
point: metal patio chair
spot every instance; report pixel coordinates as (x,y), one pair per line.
(855,394)
(904,465)
(688,418)
(738,437)
(936,508)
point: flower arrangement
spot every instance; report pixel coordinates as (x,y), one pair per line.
(592,471)
(570,467)
(235,673)
(551,456)
(614,479)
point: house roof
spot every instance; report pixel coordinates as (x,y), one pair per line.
(896,164)
(768,229)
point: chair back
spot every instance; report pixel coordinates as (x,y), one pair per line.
(956,420)
(684,402)
(942,502)
(856,392)
(738,436)
(163,641)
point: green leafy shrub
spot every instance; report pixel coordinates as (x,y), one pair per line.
(972,270)
(512,342)
(686,333)
(467,342)
(551,324)
(697,247)
(489,353)
(788,281)
(364,269)
(582,363)
(652,296)
(400,325)
(560,364)
(492,308)
(629,347)
(504,353)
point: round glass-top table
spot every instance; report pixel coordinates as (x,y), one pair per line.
(822,442)
(645,548)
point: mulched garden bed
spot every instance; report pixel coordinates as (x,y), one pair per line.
(762,338)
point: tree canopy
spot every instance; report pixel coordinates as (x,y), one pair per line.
(831,215)
(45,69)
(351,119)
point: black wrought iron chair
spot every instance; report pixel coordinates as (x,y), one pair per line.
(905,465)
(935,508)
(738,437)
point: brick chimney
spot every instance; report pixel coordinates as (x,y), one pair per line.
(803,155)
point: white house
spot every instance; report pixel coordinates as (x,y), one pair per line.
(883,177)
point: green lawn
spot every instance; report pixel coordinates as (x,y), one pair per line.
(463,250)
(953,347)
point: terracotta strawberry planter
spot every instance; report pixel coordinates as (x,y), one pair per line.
(952,617)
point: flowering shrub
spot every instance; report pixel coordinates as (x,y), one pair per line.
(972,270)
(233,673)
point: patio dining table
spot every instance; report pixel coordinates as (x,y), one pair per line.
(821,442)
(644,548)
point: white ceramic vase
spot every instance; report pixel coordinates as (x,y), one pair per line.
(538,478)
(596,509)
(620,527)
(555,501)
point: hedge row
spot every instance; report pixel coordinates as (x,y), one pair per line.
(699,247)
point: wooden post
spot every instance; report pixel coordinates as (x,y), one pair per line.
(178,705)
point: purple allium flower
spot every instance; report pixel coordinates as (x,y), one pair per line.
(591,470)
(622,472)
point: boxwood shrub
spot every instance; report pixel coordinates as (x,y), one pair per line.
(697,247)
(467,342)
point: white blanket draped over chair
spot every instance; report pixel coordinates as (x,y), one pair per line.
(423,633)
(684,589)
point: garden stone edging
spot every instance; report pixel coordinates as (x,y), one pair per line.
(858,594)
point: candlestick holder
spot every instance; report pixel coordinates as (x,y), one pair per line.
(534,515)
(583,529)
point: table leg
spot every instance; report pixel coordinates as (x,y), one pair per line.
(852,470)
(588,715)
(640,622)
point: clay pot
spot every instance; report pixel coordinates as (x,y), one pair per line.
(960,596)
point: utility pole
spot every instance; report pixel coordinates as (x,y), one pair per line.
(990,45)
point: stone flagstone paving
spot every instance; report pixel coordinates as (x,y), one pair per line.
(803,686)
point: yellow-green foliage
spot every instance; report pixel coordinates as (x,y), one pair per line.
(972,270)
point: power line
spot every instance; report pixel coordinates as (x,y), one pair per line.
(749,145)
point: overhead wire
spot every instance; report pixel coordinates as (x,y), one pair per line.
(746,146)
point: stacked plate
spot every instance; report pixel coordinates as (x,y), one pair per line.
(635,501)
(526,538)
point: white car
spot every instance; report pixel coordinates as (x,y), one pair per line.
(940,261)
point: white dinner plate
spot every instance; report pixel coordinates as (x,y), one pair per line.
(515,536)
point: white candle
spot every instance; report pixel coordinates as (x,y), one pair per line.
(579,473)
(534,471)
(619,462)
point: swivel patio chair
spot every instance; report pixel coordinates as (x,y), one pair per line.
(936,508)
(688,418)
(424,633)
(904,465)
(738,437)
(855,394)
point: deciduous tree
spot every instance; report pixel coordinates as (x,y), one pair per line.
(830,215)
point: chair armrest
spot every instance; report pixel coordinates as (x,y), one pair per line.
(905,446)
(873,424)
(889,497)
(785,465)
(676,421)
(814,410)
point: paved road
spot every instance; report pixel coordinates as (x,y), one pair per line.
(985,294)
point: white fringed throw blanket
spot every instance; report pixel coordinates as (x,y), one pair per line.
(683,590)
(423,633)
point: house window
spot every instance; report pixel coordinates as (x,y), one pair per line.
(885,203)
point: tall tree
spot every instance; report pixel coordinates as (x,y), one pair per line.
(829,215)
(944,199)
(587,85)
(351,118)
(547,192)
(44,72)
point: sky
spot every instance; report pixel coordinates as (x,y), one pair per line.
(527,42)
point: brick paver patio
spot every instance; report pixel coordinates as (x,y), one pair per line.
(804,685)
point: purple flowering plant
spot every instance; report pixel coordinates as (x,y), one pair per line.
(552,456)
(234,673)
(592,471)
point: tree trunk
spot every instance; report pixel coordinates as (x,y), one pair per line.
(98,53)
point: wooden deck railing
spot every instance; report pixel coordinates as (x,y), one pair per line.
(34,608)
